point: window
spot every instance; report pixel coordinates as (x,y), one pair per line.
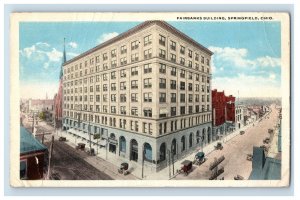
(202,59)
(182,49)
(105,108)
(122,85)
(97,78)
(123,61)
(134,84)
(123,110)
(145,127)
(190,64)
(190,75)
(134,45)
(135,57)
(182,98)
(162,40)
(147,53)
(122,97)
(105,57)
(113,97)
(91,88)
(190,98)
(134,71)
(162,83)
(173,45)
(197,108)
(182,85)
(190,87)
(113,75)
(123,49)
(147,68)
(113,64)
(134,111)
(104,77)
(173,71)
(173,97)
(162,68)
(197,66)
(182,61)
(162,97)
(104,87)
(113,109)
(122,73)
(113,53)
(182,110)
(173,84)
(197,98)
(182,73)
(147,40)
(105,98)
(113,87)
(97,98)
(148,112)
(190,53)
(196,57)
(173,57)
(105,66)
(197,77)
(148,97)
(97,88)
(162,53)
(147,83)
(173,111)
(134,97)
(207,62)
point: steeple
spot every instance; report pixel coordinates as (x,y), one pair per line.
(64,59)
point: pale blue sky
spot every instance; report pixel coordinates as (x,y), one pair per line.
(243,51)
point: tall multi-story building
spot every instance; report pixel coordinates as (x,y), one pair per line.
(146,91)
(223,112)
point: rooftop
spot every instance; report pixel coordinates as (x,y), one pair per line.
(28,143)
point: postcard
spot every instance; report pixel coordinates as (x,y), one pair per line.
(150,99)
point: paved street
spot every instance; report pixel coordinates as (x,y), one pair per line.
(235,152)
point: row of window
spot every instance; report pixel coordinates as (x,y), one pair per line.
(147,112)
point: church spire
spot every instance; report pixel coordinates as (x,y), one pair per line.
(64,59)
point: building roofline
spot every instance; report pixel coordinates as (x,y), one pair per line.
(136,29)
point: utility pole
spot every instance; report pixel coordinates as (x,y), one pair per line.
(43,136)
(143,162)
(106,145)
(50,157)
(169,156)
(89,132)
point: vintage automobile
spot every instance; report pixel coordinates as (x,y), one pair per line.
(199,158)
(219,146)
(62,139)
(242,132)
(187,167)
(80,146)
(123,168)
(249,157)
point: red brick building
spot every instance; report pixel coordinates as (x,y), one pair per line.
(223,108)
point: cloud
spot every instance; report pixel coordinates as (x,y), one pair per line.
(268,61)
(54,55)
(106,36)
(74,45)
(238,58)
(248,86)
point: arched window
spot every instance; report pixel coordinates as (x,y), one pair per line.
(174,147)
(122,142)
(148,152)
(182,143)
(162,152)
(134,150)
(191,140)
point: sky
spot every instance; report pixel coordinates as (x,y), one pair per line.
(246,60)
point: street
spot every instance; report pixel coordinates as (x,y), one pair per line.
(235,152)
(69,163)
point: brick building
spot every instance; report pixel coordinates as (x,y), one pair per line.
(223,112)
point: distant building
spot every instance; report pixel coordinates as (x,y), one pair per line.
(58,98)
(223,112)
(239,116)
(45,106)
(32,156)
